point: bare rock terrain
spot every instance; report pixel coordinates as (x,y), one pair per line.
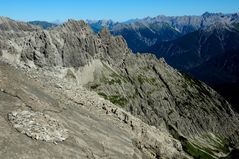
(68,92)
(96,128)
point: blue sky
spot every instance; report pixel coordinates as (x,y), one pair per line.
(118,10)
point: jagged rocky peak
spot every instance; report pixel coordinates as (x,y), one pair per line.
(105,23)
(105,32)
(3,19)
(236,14)
(105,35)
(77,26)
(115,47)
(71,44)
(7,24)
(235,17)
(216,27)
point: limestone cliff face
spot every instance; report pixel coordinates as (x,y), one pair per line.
(71,45)
(143,85)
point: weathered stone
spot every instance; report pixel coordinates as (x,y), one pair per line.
(38,126)
(90,130)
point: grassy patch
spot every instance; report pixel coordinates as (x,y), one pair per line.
(115,99)
(113,79)
(207,149)
(219,144)
(102,95)
(188,147)
(119,100)
(204,147)
(196,151)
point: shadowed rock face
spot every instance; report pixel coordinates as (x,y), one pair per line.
(210,55)
(176,106)
(214,48)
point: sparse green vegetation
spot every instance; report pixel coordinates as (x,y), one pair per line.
(119,100)
(112,81)
(142,79)
(199,149)
(189,147)
(196,83)
(219,143)
(146,68)
(102,95)
(115,99)
(114,75)
(125,78)
(196,151)
(119,77)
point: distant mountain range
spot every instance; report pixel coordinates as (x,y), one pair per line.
(143,33)
(209,54)
(43,24)
(206,46)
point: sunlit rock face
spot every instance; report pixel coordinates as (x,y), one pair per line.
(38,126)
(89,92)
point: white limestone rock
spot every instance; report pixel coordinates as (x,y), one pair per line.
(38,126)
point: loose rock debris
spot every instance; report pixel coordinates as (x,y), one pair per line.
(38,126)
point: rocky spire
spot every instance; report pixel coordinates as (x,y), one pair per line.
(7,24)
(76,26)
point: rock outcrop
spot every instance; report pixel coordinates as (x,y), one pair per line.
(38,126)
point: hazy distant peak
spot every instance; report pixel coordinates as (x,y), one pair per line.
(102,21)
(43,24)
(208,14)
